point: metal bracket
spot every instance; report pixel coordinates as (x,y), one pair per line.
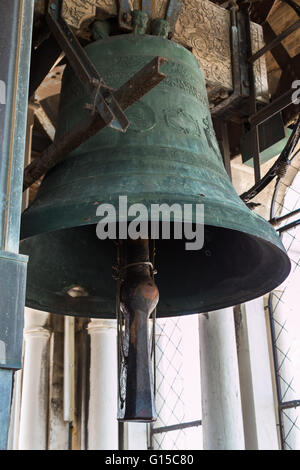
(240,77)
(102,97)
(173,11)
(124,15)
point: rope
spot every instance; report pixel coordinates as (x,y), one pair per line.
(120,271)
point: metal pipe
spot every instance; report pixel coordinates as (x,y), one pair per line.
(15,49)
(289,404)
(174,427)
(278,220)
(289,226)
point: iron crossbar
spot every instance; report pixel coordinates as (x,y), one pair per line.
(278,220)
(175,427)
(289,404)
(289,226)
(102,97)
(136,87)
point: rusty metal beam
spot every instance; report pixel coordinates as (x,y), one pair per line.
(289,226)
(277,220)
(275,42)
(136,87)
(93,83)
(175,427)
(279,53)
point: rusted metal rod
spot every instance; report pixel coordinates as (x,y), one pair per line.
(134,89)
(289,226)
(84,69)
(289,404)
(176,427)
(277,220)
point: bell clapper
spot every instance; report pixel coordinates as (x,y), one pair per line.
(138,299)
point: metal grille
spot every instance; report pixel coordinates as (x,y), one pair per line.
(284,312)
(177,377)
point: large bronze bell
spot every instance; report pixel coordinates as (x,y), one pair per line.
(168,155)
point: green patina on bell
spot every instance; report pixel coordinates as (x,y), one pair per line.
(168,155)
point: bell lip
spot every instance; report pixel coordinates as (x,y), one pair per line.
(45,219)
(40,218)
(77,308)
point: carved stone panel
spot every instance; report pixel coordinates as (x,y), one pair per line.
(205,28)
(78,12)
(202,26)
